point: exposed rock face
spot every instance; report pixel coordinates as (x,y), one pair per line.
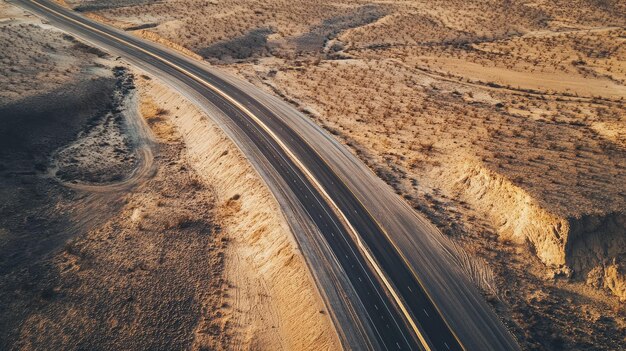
(594,240)
(610,277)
(615,280)
(513,212)
(577,247)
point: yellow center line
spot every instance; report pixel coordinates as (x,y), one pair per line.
(309,175)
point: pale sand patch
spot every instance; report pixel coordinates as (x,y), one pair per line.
(272,302)
(10,13)
(540,81)
(613,131)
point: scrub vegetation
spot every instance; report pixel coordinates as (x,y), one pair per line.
(502,121)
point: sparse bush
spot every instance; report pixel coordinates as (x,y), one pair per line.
(161,111)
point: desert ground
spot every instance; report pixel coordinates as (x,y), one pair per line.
(504,122)
(129,220)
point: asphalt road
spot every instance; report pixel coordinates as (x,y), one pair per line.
(402,314)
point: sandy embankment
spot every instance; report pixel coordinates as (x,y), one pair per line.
(194,254)
(568,245)
(501,121)
(272,302)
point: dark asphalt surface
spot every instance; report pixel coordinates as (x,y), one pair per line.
(392,329)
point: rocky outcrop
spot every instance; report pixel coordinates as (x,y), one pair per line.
(513,212)
(578,247)
(611,277)
(594,240)
(615,280)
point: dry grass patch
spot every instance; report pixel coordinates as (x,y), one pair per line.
(156,116)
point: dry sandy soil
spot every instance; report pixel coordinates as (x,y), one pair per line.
(129,220)
(502,121)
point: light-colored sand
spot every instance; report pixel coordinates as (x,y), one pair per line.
(539,81)
(194,254)
(271,300)
(490,117)
(131,267)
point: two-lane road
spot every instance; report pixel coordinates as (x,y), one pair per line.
(401,312)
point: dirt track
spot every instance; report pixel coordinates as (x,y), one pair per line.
(115,233)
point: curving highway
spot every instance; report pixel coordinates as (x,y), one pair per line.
(399,279)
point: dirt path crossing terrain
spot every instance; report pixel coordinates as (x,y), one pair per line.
(502,122)
(129,220)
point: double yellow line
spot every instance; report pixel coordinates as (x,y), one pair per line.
(304,169)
